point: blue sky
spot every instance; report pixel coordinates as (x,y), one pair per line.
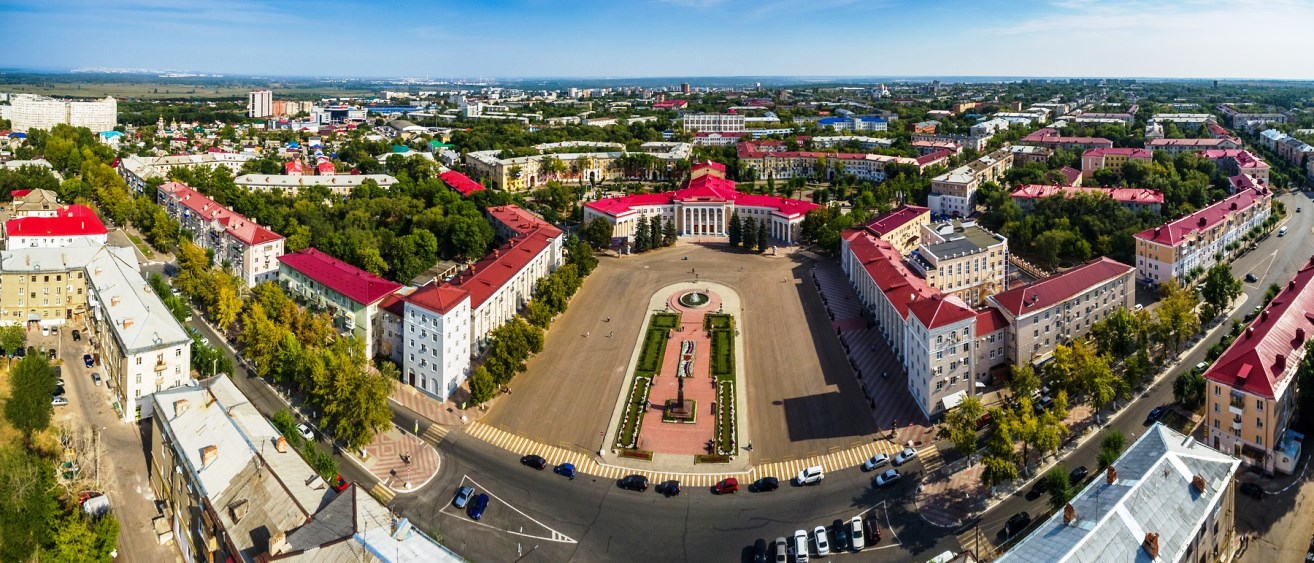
(627,38)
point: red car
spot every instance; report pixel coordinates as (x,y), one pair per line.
(340,484)
(729,485)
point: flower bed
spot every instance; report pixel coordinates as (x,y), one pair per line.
(665,320)
(632,419)
(711,459)
(727,435)
(636,454)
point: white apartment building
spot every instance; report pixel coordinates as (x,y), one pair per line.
(250,250)
(72,225)
(989,127)
(339,185)
(29,112)
(713,123)
(137,170)
(954,192)
(963,259)
(260,103)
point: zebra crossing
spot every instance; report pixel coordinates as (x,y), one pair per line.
(977,543)
(587,465)
(382,493)
(435,433)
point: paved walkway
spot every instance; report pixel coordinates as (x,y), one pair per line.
(401,461)
(448,413)
(683,438)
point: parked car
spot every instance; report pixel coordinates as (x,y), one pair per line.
(59,390)
(22,352)
(305,432)
(875,461)
(905,456)
(811,475)
(478,506)
(726,486)
(634,483)
(800,547)
(856,535)
(95,378)
(781,549)
(765,484)
(52,354)
(565,470)
(535,461)
(1253,490)
(45,331)
(983,422)
(1201,367)
(668,488)
(58,401)
(1250,278)
(1016,523)
(871,528)
(77,336)
(462,497)
(759,551)
(841,530)
(1078,475)
(1155,413)
(819,537)
(886,478)
(340,484)
(86,359)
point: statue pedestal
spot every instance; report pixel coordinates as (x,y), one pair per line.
(680,414)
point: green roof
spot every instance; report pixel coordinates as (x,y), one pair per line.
(439,144)
(399,148)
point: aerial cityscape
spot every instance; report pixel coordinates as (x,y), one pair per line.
(458,286)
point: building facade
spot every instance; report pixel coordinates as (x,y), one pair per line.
(1112,159)
(72,225)
(962,259)
(138,170)
(1134,199)
(28,112)
(954,192)
(592,162)
(291,184)
(351,295)
(250,250)
(901,227)
(713,123)
(260,103)
(1196,240)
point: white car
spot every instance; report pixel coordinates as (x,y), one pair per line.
(822,540)
(58,401)
(855,532)
(886,478)
(305,432)
(905,456)
(875,461)
(810,476)
(800,547)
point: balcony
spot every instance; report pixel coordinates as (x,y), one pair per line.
(1236,422)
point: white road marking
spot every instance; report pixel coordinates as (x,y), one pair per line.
(555,537)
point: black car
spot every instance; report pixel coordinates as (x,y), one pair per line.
(668,488)
(634,483)
(871,529)
(1250,278)
(841,531)
(77,336)
(1017,523)
(1155,413)
(1041,487)
(759,551)
(52,354)
(764,484)
(59,390)
(1252,490)
(1078,475)
(535,461)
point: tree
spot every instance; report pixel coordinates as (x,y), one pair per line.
(1111,446)
(482,387)
(79,538)
(1177,318)
(736,229)
(1060,487)
(31,384)
(227,305)
(641,234)
(29,510)
(1116,334)
(597,233)
(998,470)
(1189,389)
(750,233)
(1220,288)
(1076,366)
(961,423)
(669,234)
(1049,434)
(12,337)
(1024,381)
(762,238)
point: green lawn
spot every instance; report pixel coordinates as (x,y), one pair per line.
(654,343)
(145,250)
(632,420)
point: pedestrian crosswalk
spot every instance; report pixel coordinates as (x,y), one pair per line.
(383,493)
(435,433)
(977,542)
(587,464)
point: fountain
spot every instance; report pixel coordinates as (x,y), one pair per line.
(694,299)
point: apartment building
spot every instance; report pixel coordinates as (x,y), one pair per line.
(260,103)
(954,192)
(324,283)
(446,324)
(75,224)
(901,227)
(1024,154)
(855,123)
(770,159)
(962,259)
(138,170)
(1177,146)
(34,203)
(1196,240)
(989,127)
(713,123)
(1049,137)
(975,142)
(1062,307)
(1239,162)
(142,348)
(233,490)
(29,111)
(250,250)
(1112,159)
(1094,117)
(865,143)
(1167,498)
(1134,199)
(1251,394)
(593,162)
(291,184)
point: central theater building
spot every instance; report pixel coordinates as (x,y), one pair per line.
(703,207)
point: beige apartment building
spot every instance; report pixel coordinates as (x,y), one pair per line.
(47,298)
(953,193)
(963,259)
(901,227)
(1196,240)
(1062,307)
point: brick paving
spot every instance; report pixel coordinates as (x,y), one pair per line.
(946,502)
(683,438)
(401,461)
(447,413)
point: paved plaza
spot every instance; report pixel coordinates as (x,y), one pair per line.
(683,438)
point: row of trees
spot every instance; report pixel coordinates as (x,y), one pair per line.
(748,232)
(653,233)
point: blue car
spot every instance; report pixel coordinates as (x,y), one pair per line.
(476,509)
(565,470)
(463,495)
(86,359)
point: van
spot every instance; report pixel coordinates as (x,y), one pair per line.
(1282,232)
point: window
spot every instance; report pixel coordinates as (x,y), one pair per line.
(139,363)
(939,385)
(1259,405)
(1259,440)
(1218,390)
(1215,422)
(1259,422)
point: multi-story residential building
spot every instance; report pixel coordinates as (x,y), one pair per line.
(340,186)
(901,227)
(233,490)
(1023,118)
(351,294)
(962,259)
(931,334)
(713,123)
(704,207)
(865,143)
(137,170)
(1135,199)
(1049,137)
(975,142)
(991,347)
(928,147)
(1196,240)
(989,127)
(1064,306)
(1167,498)
(142,347)
(260,103)
(1023,154)
(1250,120)
(1099,118)
(29,111)
(445,324)
(1251,390)
(34,203)
(1178,146)
(954,192)
(250,250)
(769,159)
(1112,159)
(855,123)
(1239,161)
(595,161)
(73,225)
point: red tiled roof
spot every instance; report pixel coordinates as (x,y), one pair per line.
(394,304)
(708,164)
(1048,135)
(1173,232)
(1216,129)
(906,291)
(1203,143)
(939,310)
(1265,354)
(928,159)
(1071,174)
(989,320)
(236,224)
(74,220)
(19,193)
(703,188)
(354,283)
(1242,157)
(439,298)
(486,276)
(1121,195)
(325,168)
(461,183)
(521,221)
(1059,287)
(1127,152)
(892,220)
(293,167)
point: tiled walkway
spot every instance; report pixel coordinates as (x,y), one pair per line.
(401,461)
(683,438)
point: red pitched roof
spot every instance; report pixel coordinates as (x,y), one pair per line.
(939,310)
(461,183)
(439,298)
(892,220)
(1059,287)
(906,291)
(1121,195)
(236,224)
(354,283)
(708,164)
(703,188)
(19,193)
(293,167)
(1243,158)
(486,276)
(1071,174)
(1263,356)
(1201,143)
(522,221)
(989,320)
(1173,232)
(928,159)
(1127,152)
(1050,136)
(670,104)
(394,304)
(74,220)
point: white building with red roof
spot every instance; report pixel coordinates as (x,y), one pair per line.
(703,207)
(1061,307)
(1197,240)
(352,295)
(250,250)
(1239,161)
(1250,390)
(72,225)
(901,226)
(446,324)
(1135,199)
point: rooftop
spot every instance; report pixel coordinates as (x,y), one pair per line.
(352,282)
(335,181)
(1178,229)
(896,218)
(521,221)
(1127,152)
(1048,135)
(1058,288)
(1121,195)
(704,188)
(461,183)
(74,220)
(234,223)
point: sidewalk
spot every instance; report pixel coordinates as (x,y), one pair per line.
(447,413)
(401,461)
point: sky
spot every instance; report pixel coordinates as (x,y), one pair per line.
(653,38)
